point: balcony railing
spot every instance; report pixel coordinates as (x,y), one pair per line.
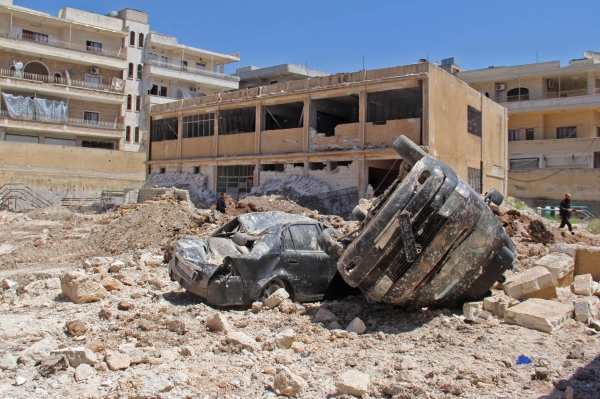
(542,96)
(64,121)
(160,99)
(44,41)
(192,70)
(116,87)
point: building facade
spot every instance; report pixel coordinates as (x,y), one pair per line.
(338,129)
(252,76)
(553,127)
(84,81)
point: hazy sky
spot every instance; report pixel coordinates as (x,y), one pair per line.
(334,35)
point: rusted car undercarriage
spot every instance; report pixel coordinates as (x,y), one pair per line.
(428,240)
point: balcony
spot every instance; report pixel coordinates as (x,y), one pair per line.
(45,84)
(59,49)
(212,80)
(549,100)
(43,123)
(153,100)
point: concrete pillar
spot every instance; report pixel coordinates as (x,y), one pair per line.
(3,135)
(214,180)
(362,119)
(258,127)
(362,171)
(42,140)
(256,174)
(216,150)
(308,122)
(591,82)
(542,136)
(179,134)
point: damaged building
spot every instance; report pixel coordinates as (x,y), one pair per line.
(336,129)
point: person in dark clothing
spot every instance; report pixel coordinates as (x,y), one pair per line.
(221,203)
(565,213)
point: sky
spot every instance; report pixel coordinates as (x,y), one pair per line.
(334,35)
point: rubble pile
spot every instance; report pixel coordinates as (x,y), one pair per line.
(293,186)
(88,310)
(197,185)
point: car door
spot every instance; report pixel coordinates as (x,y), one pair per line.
(308,265)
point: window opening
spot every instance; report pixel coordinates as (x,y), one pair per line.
(200,66)
(130,75)
(202,125)
(298,165)
(529,134)
(34,36)
(153,90)
(332,112)
(93,82)
(316,166)
(138,103)
(162,171)
(596,160)
(139,71)
(141,40)
(304,237)
(57,77)
(163,91)
(274,167)
(164,61)
(566,132)
(136,137)
(128,133)
(163,129)
(184,65)
(284,116)
(132,38)
(336,164)
(129,102)
(91,118)
(234,121)
(288,245)
(524,163)
(475,179)
(93,46)
(235,180)
(36,68)
(473,121)
(517,94)
(98,144)
(394,104)
(514,135)
(196,170)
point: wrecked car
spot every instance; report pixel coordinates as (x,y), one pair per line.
(429,240)
(252,256)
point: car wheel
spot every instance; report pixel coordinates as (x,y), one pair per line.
(271,287)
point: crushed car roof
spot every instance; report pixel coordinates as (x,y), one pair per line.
(257,222)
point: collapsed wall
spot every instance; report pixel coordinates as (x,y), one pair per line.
(196,184)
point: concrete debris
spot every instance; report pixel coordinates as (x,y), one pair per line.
(218,322)
(111,284)
(583,311)
(560,265)
(285,338)
(536,282)
(587,261)
(243,340)
(8,284)
(257,307)
(117,361)
(81,289)
(582,285)
(276,298)
(177,326)
(20,380)
(353,383)
(125,305)
(84,372)
(76,328)
(116,267)
(77,356)
(8,362)
(187,350)
(567,249)
(539,314)
(356,326)
(287,383)
(325,316)
(498,304)
(52,364)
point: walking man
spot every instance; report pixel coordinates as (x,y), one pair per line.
(221,203)
(565,213)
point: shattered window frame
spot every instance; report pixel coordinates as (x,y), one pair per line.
(164,129)
(237,120)
(383,106)
(297,233)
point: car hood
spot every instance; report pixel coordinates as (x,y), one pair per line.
(195,252)
(257,222)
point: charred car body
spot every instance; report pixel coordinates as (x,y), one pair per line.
(252,256)
(428,240)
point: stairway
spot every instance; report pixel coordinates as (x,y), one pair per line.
(16,190)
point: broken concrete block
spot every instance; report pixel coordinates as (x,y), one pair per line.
(353,383)
(243,340)
(77,356)
(285,338)
(567,249)
(539,314)
(276,298)
(356,326)
(287,383)
(561,267)
(117,361)
(81,289)
(582,285)
(536,282)
(587,261)
(218,323)
(498,304)
(325,316)
(583,312)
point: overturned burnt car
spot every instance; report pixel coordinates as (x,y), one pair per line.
(428,240)
(252,256)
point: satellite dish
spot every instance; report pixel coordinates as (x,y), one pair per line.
(591,55)
(150,86)
(18,66)
(113,14)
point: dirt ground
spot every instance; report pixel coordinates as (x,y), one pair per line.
(414,353)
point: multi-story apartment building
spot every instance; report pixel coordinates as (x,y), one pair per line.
(252,76)
(553,127)
(338,129)
(83,81)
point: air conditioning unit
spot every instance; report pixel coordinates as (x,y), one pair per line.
(500,86)
(95,71)
(550,84)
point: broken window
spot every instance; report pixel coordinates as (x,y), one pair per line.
(196,170)
(235,180)
(288,245)
(163,91)
(304,237)
(316,166)
(154,90)
(98,144)
(274,167)
(184,65)
(566,132)
(202,125)
(34,36)
(524,163)
(200,67)
(529,134)
(394,104)
(332,112)
(473,121)
(239,120)
(298,165)
(514,135)
(128,133)
(284,116)
(163,129)
(162,171)
(475,179)
(334,165)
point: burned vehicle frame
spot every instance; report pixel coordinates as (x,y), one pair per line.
(428,240)
(252,256)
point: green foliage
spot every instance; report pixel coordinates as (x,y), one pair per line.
(515,203)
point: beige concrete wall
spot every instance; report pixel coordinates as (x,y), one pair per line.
(346,136)
(164,149)
(197,147)
(583,184)
(281,141)
(237,144)
(70,168)
(385,135)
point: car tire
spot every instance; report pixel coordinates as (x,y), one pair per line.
(359,213)
(331,246)
(273,286)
